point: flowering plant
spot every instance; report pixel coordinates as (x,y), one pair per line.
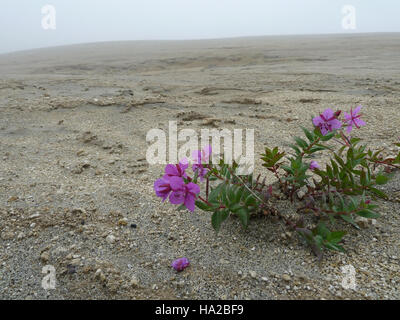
(341,190)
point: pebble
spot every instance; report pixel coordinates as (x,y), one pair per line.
(75,262)
(134,282)
(362,222)
(123,222)
(253,274)
(7,235)
(110,238)
(286,277)
(100,275)
(45,256)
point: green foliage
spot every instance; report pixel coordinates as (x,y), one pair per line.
(231,196)
(272,157)
(321,238)
(341,190)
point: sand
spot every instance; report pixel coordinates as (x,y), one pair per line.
(76,191)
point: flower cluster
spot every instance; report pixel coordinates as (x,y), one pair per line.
(177,186)
(328,120)
(342,189)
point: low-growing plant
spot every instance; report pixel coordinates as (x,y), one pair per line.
(343,189)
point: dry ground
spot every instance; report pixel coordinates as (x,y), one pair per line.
(76,192)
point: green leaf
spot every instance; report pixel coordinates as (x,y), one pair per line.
(218,217)
(334,246)
(300,142)
(182,207)
(203,206)
(308,134)
(350,220)
(327,136)
(336,236)
(250,200)
(381,179)
(322,230)
(367,213)
(378,192)
(243,216)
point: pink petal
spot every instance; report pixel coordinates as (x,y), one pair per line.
(171,170)
(328,113)
(357,110)
(189,201)
(324,130)
(177,197)
(347,116)
(184,164)
(176,183)
(196,156)
(317,121)
(335,123)
(193,188)
(359,122)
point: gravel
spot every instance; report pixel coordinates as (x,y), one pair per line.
(76,192)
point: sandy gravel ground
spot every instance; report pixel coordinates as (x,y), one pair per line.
(76,192)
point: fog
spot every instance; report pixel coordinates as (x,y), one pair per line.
(22,26)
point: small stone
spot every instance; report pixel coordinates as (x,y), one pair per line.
(134,282)
(34,216)
(123,222)
(80,152)
(286,277)
(13,198)
(253,274)
(265,279)
(362,222)
(75,262)
(301,194)
(44,256)
(110,239)
(100,275)
(7,235)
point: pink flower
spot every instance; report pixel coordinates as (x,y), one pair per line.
(314,165)
(200,157)
(354,119)
(180,264)
(162,188)
(183,193)
(177,170)
(327,121)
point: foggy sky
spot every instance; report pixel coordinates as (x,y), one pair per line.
(79,21)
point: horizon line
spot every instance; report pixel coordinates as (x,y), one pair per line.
(201,39)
